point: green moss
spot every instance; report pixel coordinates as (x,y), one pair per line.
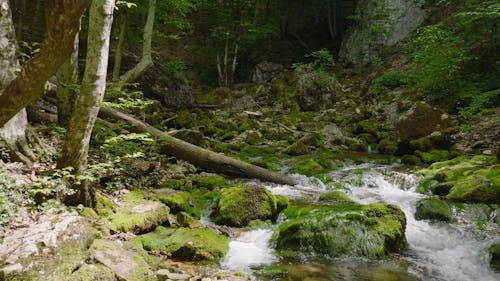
(179,201)
(433,155)
(297,148)
(432,209)
(210,182)
(139,218)
(344,229)
(494,251)
(93,272)
(411,160)
(237,206)
(89,213)
(335,197)
(178,184)
(200,244)
(134,196)
(282,202)
(104,206)
(308,167)
(472,179)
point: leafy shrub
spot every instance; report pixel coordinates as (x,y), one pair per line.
(389,81)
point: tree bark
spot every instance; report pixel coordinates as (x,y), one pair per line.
(63,21)
(75,150)
(119,46)
(12,133)
(67,78)
(146,61)
(198,156)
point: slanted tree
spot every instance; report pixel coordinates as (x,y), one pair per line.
(76,144)
(62,21)
(13,133)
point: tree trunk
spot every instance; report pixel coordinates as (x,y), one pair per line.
(63,21)
(119,46)
(198,156)
(146,61)
(13,133)
(76,145)
(67,78)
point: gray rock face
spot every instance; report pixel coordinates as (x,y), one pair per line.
(265,71)
(127,265)
(381,23)
(46,250)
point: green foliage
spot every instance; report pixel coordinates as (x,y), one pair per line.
(437,56)
(27,50)
(389,81)
(320,60)
(128,145)
(121,96)
(480,104)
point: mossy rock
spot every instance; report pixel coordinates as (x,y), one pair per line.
(138,215)
(178,184)
(200,244)
(308,167)
(104,206)
(126,261)
(177,201)
(238,205)
(387,146)
(296,149)
(494,251)
(335,197)
(432,209)
(472,179)
(370,231)
(210,182)
(411,160)
(282,202)
(433,156)
(92,272)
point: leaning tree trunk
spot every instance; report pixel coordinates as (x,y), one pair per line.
(198,156)
(146,60)
(86,108)
(13,133)
(63,21)
(67,78)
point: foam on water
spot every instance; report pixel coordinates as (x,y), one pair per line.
(248,250)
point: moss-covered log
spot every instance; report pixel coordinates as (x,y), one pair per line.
(200,157)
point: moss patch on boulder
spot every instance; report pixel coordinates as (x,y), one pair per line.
(469,179)
(432,209)
(343,230)
(91,272)
(238,205)
(200,244)
(494,251)
(335,197)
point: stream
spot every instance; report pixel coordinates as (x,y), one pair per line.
(437,251)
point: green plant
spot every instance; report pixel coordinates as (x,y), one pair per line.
(122,96)
(321,60)
(389,81)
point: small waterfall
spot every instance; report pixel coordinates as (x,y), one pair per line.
(438,251)
(248,250)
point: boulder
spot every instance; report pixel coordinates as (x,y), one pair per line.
(420,121)
(432,209)
(177,201)
(494,251)
(191,136)
(199,244)
(266,71)
(382,23)
(467,179)
(48,249)
(238,205)
(370,231)
(92,272)
(125,261)
(316,89)
(137,215)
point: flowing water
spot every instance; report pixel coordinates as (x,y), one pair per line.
(437,251)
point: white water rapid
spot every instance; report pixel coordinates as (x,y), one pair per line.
(437,251)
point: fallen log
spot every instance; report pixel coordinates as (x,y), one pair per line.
(200,157)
